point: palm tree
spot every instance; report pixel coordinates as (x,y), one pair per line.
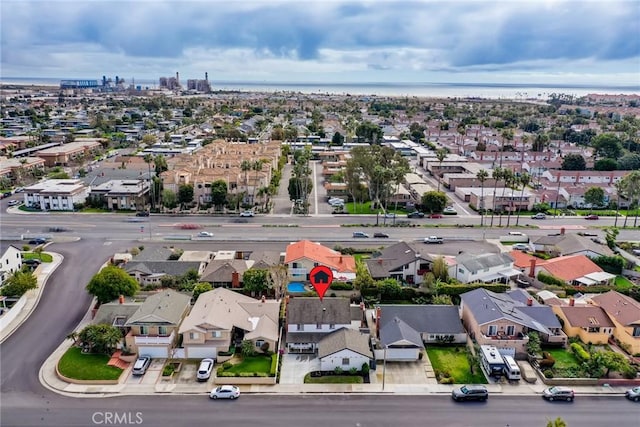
(497,176)
(525,179)
(482,176)
(148,158)
(462,130)
(111,338)
(619,189)
(73,336)
(245,167)
(506,134)
(631,185)
(508,176)
(441,154)
(257,167)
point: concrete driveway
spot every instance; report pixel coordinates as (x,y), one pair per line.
(151,376)
(401,373)
(296,366)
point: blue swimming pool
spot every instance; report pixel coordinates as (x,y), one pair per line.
(295,287)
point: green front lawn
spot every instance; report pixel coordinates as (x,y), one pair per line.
(77,365)
(566,366)
(452,362)
(44,257)
(623,284)
(252,364)
(333,379)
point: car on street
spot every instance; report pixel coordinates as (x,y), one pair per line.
(142,213)
(470,392)
(435,215)
(38,241)
(415,214)
(335,201)
(433,239)
(141,365)
(592,217)
(516,233)
(13,202)
(204,370)
(360,235)
(633,394)
(449,210)
(19,190)
(520,247)
(57,229)
(381,235)
(558,393)
(205,234)
(389,215)
(225,392)
(247,213)
(539,215)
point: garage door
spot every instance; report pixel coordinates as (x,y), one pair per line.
(200,352)
(153,351)
(402,354)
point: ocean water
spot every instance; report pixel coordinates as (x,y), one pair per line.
(444,90)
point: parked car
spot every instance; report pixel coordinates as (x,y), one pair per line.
(558,393)
(433,239)
(247,213)
(520,247)
(142,213)
(141,365)
(225,392)
(539,215)
(516,233)
(360,235)
(435,215)
(633,394)
(19,190)
(38,241)
(470,392)
(32,262)
(205,234)
(389,215)
(449,210)
(592,217)
(381,235)
(335,200)
(415,214)
(13,202)
(204,370)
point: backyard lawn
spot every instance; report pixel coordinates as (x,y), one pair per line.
(80,366)
(333,379)
(623,284)
(566,366)
(44,257)
(453,361)
(252,364)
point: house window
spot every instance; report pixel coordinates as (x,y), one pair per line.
(345,361)
(493,330)
(636,331)
(259,343)
(332,326)
(216,334)
(144,330)
(300,327)
(162,330)
(193,335)
(511,330)
(318,326)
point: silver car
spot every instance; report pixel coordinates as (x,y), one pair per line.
(633,394)
(141,365)
(204,370)
(225,392)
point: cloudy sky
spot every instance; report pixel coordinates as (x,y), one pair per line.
(518,41)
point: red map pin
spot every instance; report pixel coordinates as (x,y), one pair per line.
(321,278)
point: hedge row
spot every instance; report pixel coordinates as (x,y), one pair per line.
(580,353)
(453,290)
(550,280)
(274,364)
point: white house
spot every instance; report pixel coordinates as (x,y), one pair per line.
(344,349)
(10,262)
(487,267)
(56,194)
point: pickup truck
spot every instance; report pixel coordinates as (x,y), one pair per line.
(433,239)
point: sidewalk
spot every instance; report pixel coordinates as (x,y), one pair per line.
(32,297)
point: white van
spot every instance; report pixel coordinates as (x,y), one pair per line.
(511,369)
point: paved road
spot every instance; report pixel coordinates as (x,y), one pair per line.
(318,410)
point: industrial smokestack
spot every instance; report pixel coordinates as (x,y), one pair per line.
(177,77)
(206,76)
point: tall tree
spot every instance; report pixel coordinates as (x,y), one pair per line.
(631,186)
(256,281)
(607,145)
(219,191)
(507,135)
(19,283)
(496,174)
(508,176)
(185,194)
(594,196)
(441,154)
(573,162)
(160,163)
(434,201)
(482,176)
(525,179)
(111,282)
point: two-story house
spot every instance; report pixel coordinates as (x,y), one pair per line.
(10,261)
(221,318)
(301,257)
(400,261)
(310,319)
(153,328)
(504,320)
(624,311)
(487,267)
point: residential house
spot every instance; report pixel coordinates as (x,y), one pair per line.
(486,267)
(504,320)
(589,323)
(345,349)
(577,270)
(56,194)
(222,318)
(10,261)
(152,272)
(116,313)
(226,272)
(401,261)
(624,311)
(154,325)
(310,319)
(403,329)
(302,256)
(570,244)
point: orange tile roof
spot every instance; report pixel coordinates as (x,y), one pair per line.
(523,259)
(320,254)
(570,267)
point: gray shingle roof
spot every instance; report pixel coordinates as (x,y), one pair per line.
(477,262)
(342,339)
(167,307)
(154,254)
(221,270)
(172,268)
(394,257)
(109,311)
(396,330)
(308,311)
(569,244)
(430,319)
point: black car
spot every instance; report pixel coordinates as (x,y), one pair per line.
(381,235)
(58,229)
(415,214)
(32,261)
(37,241)
(142,213)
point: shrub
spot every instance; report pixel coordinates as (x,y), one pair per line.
(550,280)
(451,289)
(220,371)
(548,373)
(168,370)
(446,380)
(353,371)
(341,286)
(547,362)
(227,365)
(365,368)
(580,353)
(274,364)
(338,370)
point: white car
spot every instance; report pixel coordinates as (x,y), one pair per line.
(205,234)
(204,370)
(246,213)
(520,247)
(13,202)
(225,392)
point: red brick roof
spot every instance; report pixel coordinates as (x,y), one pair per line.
(320,254)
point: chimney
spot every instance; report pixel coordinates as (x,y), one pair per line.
(532,267)
(529,301)
(572,302)
(121,299)
(235,280)
(562,231)
(378,316)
